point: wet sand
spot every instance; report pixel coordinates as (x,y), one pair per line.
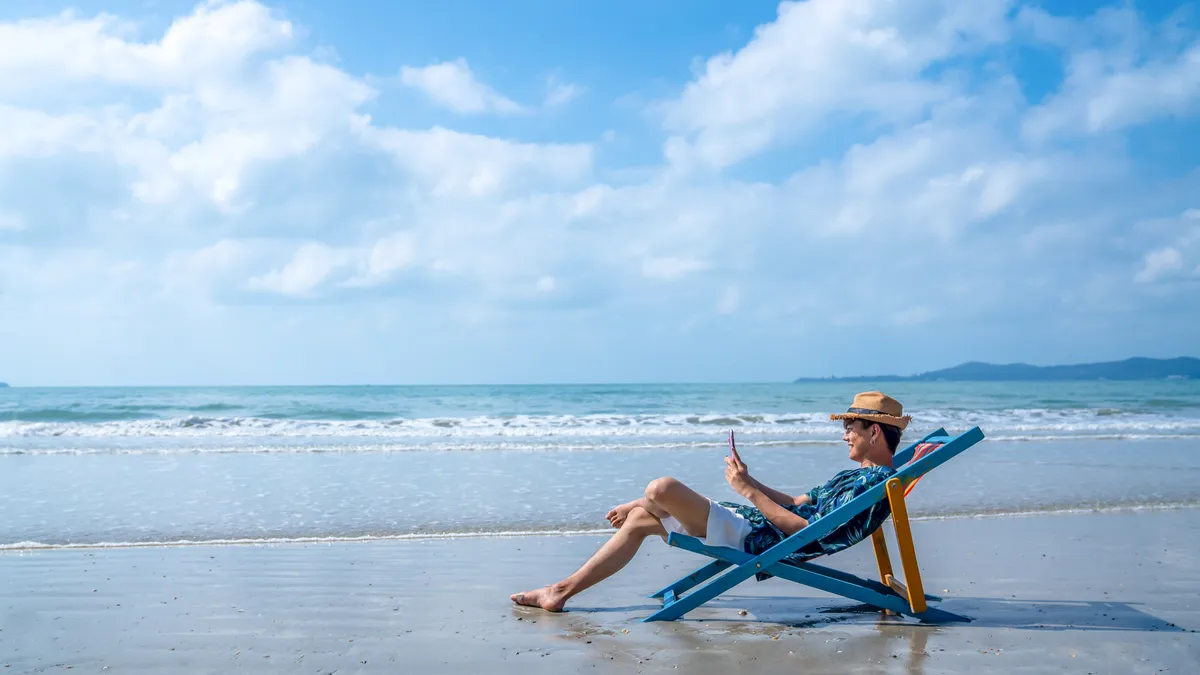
(1088,593)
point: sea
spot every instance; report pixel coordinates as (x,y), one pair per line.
(122,467)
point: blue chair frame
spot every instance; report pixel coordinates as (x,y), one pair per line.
(890,594)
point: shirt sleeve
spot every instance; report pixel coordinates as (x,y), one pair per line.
(863,482)
(814,495)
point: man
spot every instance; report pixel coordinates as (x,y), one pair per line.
(872,428)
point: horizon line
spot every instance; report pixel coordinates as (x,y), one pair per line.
(848,379)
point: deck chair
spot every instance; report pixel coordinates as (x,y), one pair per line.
(890,593)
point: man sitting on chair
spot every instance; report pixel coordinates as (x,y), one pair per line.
(873,425)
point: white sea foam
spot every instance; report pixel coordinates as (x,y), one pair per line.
(270,541)
(1014,424)
(281,447)
(32,546)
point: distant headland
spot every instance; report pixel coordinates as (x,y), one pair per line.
(3,385)
(1184,367)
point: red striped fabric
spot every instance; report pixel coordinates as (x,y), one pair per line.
(922,450)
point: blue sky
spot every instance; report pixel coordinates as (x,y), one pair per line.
(464,192)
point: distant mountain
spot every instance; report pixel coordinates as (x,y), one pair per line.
(3,385)
(1184,367)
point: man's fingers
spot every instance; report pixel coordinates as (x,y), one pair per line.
(737,457)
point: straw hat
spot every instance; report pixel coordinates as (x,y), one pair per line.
(876,407)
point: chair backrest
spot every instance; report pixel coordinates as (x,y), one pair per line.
(920,451)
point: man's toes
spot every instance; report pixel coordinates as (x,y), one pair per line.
(528,598)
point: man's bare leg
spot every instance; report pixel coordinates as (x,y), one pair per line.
(638,519)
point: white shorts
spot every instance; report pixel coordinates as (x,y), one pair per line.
(725,527)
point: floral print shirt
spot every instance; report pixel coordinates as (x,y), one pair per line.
(823,499)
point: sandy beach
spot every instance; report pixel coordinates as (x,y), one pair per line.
(1088,593)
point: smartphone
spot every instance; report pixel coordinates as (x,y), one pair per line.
(732,445)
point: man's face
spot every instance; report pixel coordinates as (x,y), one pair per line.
(858,437)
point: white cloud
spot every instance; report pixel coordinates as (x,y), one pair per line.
(561,93)
(821,58)
(671,268)
(208,261)
(453,85)
(389,255)
(33,133)
(1120,73)
(216,38)
(214,169)
(294,105)
(1108,91)
(221,114)
(312,264)
(1159,263)
(940,178)
(1181,237)
(454,163)
(196,276)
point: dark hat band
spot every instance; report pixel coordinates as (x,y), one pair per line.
(867,411)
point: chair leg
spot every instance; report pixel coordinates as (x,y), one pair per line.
(705,593)
(904,542)
(843,587)
(881,554)
(862,590)
(847,577)
(698,577)
(843,584)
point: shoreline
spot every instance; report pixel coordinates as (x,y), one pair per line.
(30,546)
(1114,592)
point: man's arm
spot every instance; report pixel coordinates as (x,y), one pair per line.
(787,522)
(780,498)
(740,480)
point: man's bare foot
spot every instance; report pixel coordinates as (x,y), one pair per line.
(546,598)
(617,516)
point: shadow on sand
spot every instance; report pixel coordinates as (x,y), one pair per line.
(1024,614)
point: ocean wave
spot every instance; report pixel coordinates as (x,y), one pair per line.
(1012,423)
(70,415)
(401,447)
(598,445)
(32,546)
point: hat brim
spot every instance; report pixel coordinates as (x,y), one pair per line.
(898,422)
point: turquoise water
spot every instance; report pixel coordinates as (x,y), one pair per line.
(126,466)
(553,417)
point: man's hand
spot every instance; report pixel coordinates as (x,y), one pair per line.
(738,475)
